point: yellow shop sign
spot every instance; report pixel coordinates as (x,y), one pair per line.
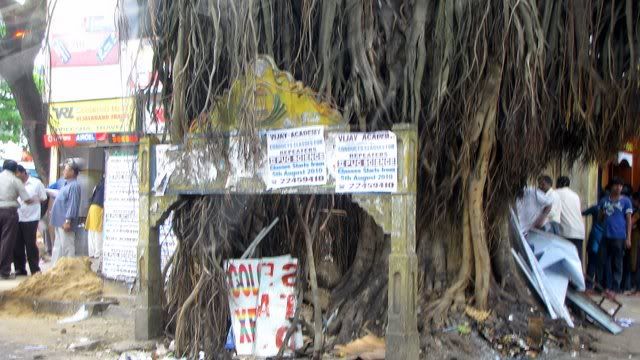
(95,116)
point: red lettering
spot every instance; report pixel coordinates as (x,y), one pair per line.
(244,275)
(271,267)
(289,278)
(291,306)
(264,305)
(280,334)
(231,273)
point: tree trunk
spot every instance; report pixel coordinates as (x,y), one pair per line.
(17,70)
(34,119)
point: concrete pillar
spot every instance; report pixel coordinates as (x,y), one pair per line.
(402,340)
(148,313)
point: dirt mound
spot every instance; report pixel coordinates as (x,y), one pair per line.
(71,279)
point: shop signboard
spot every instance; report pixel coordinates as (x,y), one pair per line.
(97,116)
(65,140)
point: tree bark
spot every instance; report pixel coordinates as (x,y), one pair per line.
(34,118)
(17,56)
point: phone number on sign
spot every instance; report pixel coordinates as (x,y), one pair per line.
(367,186)
(298,179)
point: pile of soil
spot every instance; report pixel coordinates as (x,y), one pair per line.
(71,279)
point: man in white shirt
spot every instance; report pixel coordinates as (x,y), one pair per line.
(552,223)
(28,217)
(571,222)
(11,188)
(533,208)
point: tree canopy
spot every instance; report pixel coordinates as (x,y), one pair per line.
(11,124)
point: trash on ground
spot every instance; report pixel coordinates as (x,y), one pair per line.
(625,322)
(477,315)
(81,314)
(35,347)
(593,311)
(85,344)
(369,347)
(550,268)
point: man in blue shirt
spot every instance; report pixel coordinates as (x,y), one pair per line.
(64,215)
(616,210)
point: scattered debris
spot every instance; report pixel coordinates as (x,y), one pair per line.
(477,315)
(129,345)
(551,262)
(535,332)
(625,322)
(593,311)
(35,347)
(369,347)
(85,344)
(81,314)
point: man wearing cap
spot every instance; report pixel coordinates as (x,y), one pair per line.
(64,215)
(11,188)
(29,217)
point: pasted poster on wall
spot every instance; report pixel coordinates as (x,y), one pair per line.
(365,162)
(296,157)
(262,303)
(121,222)
(120,215)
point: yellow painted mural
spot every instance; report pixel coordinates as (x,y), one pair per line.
(274,98)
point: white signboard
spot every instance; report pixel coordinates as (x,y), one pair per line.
(365,162)
(120,215)
(296,157)
(262,303)
(121,222)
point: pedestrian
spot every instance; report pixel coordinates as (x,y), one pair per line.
(533,208)
(571,222)
(552,222)
(28,219)
(595,261)
(64,215)
(616,209)
(93,225)
(635,243)
(11,188)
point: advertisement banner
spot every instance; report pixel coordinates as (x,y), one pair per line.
(98,116)
(84,33)
(262,303)
(296,157)
(365,162)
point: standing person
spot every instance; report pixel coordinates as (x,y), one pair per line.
(552,222)
(28,217)
(533,208)
(571,222)
(595,261)
(64,215)
(11,188)
(635,243)
(93,224)
(616,210)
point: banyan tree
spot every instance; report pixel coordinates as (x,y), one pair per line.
(498,89)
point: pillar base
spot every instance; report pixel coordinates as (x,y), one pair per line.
(148,322)
(401,346)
